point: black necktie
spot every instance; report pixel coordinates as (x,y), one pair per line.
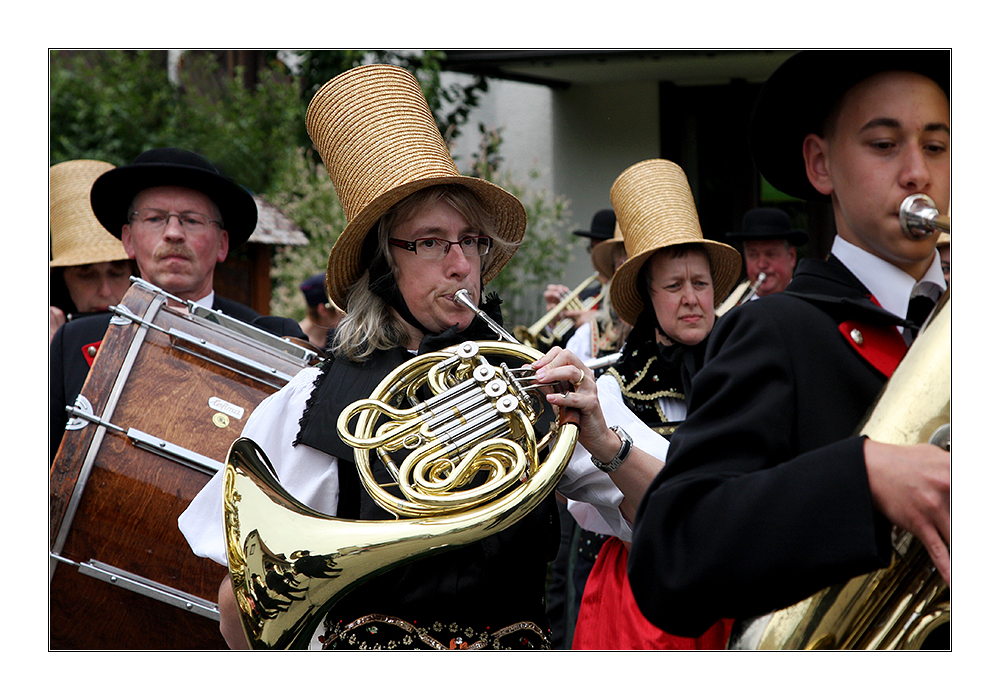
(923,299)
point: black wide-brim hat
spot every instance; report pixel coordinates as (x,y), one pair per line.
(113,192)
(602,226)
(768,224)
(798,96)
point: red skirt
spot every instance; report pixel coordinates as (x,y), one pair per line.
(610,619)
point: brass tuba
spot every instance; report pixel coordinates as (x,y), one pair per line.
(897,607)
(290,564)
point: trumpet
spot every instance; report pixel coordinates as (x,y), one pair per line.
(533,335)
(753,289)
(919,217)
(741,294)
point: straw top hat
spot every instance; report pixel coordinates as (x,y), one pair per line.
(798,96)
(114,191)
(656,210)
(603,254)
(77,236)
(380,144)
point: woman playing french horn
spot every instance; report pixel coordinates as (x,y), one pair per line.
(418,233)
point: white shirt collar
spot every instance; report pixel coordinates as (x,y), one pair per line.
(207,301)
(887,283)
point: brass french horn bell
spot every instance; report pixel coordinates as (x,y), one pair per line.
(461,418)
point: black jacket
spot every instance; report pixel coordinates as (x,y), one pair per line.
(764,498)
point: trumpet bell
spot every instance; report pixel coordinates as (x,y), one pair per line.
(470,467)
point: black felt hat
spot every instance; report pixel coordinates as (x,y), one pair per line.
(798,96)
(767,224)
(113,192)
(602,227)
(314,289)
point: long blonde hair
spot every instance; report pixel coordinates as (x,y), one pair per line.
(369,323)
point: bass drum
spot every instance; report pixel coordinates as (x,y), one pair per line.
(169,391)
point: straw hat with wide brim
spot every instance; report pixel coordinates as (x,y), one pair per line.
(380,144)
(603,254)
(114,191)
(77,236)
(656,210)
(798,96)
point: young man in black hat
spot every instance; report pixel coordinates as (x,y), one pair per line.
(768,495)
(769,243)
(177,217)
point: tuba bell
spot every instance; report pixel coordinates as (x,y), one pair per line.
(900,606)
(290,564)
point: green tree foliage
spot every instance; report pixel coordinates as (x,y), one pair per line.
(250,121)
(108,105)
(305,193)
(112,105)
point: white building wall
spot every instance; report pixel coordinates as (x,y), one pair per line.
(579,140)
(523,113)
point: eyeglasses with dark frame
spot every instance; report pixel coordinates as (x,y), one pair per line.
(438,248)
(155,220)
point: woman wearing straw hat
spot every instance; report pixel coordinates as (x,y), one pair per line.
(417,233)
(666,290)
(89,269)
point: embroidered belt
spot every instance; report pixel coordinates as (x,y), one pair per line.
(379,631)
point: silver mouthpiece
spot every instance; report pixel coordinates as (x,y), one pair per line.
(919,217)
(463,298)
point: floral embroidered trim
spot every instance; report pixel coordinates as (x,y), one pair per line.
(629,387)
(377,631)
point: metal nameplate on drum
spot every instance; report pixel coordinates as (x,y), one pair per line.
(222,406)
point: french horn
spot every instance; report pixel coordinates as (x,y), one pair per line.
(900,606)
(455,428)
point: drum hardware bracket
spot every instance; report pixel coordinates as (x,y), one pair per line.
(196,342)
(220,319)
(143,586)
(155,445)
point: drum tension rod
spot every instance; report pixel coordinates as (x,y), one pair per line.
(153,444)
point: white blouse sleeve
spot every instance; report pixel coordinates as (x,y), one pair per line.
(579,342)
(308,474)
(599,499)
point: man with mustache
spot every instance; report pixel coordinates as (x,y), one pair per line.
(177,217)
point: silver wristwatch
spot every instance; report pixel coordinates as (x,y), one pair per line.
(620,457)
